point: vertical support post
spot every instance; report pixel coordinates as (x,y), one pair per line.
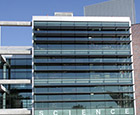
(4,100)
(4,71)
(4,94)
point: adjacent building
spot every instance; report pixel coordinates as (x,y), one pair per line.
(114,8)
(15,80)
(136,55)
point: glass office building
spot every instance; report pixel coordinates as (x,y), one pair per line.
(15,78)
(82,66)
(20,94)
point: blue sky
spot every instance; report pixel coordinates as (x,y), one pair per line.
(23,10)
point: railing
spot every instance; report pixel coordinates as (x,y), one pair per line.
(82,52)
(81,81)
(86,60)
(81,32)
(81,39)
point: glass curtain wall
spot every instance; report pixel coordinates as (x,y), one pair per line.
(82,68)
(19,95)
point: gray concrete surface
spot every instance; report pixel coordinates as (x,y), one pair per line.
(15,111)
(15,23)
(15,81)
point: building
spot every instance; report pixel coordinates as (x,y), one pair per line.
(136,52)
(79,66)
(82,65)
(117,8)
(15,80)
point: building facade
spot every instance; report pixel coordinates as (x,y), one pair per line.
(15,80)
(136,55)
(76,66)
(82,66)
(117,8)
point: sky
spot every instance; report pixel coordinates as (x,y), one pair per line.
(23,10)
